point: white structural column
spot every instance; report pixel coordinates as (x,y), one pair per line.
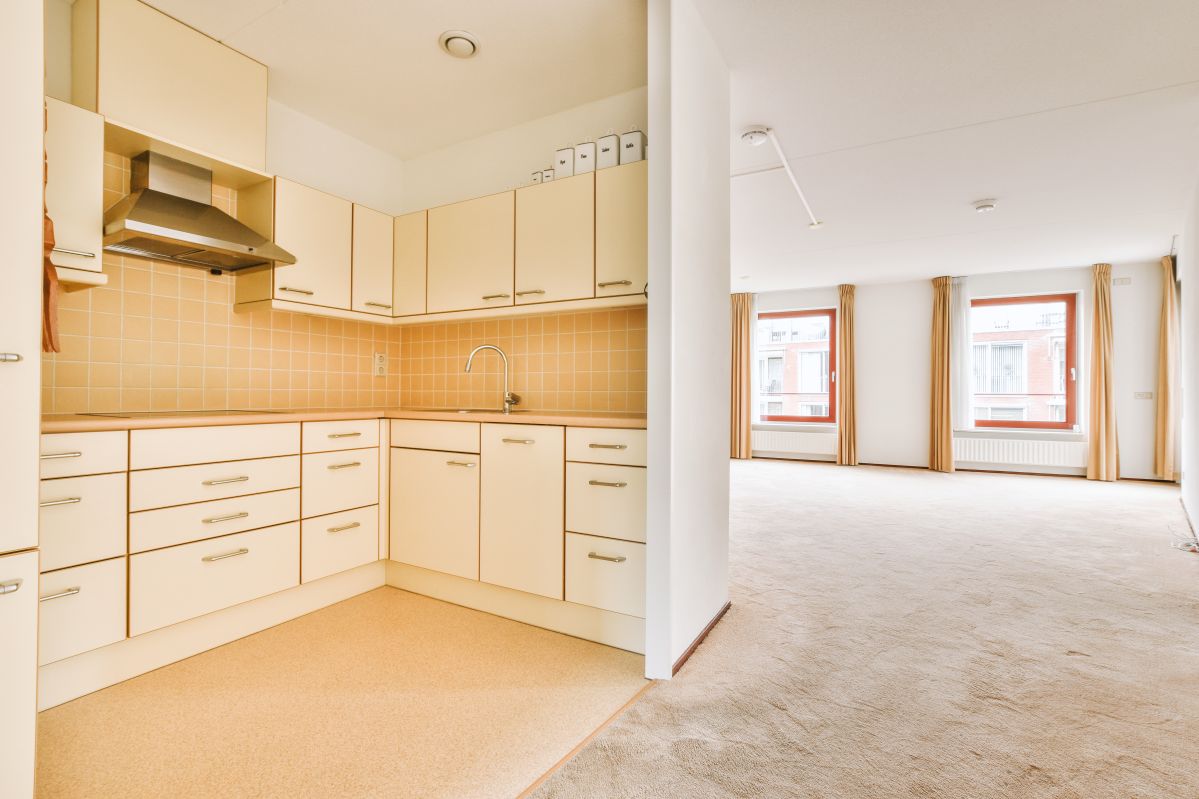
(688,502)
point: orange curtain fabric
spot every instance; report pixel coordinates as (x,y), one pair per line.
(49,273)
(940,450)
(1103,462)
(741,428)
(1165,457)
(847,420)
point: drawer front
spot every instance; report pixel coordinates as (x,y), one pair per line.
(605,445)
(606,500)
(606,574)
(336,481)
(160,488)
(339,541)
(81,608)
(326,436)
(165,527)
(82,519)
(443,436)
(435,511)
(71,454)
(170,585)
(178,446)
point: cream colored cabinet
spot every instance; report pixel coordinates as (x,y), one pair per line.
(165,527)
(178,446)
(422,434)
(555,240)
(435,510)
(74,454)
(82,519)
(144,70)
(606,500)
(621,230)
(81,608)
(328,436)
(603,445)
(316,228)
(411,250)
(606,574)
(373,260)
(18,672)
(75,185)
(520,531)
(180,485)
(471,254)
(337,542)
(334,481)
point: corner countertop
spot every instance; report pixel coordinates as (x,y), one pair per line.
(82,423)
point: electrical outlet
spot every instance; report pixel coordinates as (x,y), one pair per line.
(379,365)
(1143,395)
(1121,281)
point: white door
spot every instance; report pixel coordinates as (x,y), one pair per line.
(435,510)
(75,184)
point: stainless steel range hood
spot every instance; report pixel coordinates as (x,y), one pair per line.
(169,217)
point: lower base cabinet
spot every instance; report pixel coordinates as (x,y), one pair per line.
(81,608)
(435,510)
(606,573)
(337,542)
(18,672)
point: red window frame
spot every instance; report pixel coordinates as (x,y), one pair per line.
(831,313)
(1070,366)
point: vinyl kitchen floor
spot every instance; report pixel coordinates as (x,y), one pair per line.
(386,694)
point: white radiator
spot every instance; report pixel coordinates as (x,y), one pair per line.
(818,445)
(1020,453)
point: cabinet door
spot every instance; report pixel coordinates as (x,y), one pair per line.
(372,261)
(521,524)
(470,254)
(18,672)
(621,230)
(411,240)
(555,240)
(316,228)
(75,184)
(435,510)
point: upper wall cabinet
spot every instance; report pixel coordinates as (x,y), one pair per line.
(316,228)
(470,256)
(75,185)
(372,262)
(621,230)
(411,240)
(555,240)
(144,70)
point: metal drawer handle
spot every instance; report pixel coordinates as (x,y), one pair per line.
(53,456)
(609,558)
(54,503)
(10,357)
(240,479)
(608,446)
(467,464)
(344,435)
(606,484)
(81,253)
(496,296)
(61,594)
(229,518)
(607,283)
(296,291)
(378,305)
(518,441)
(530,291)
(345,527)
(233,554)
(349,465)
(10,586)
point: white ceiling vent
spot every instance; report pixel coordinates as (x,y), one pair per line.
(459,44)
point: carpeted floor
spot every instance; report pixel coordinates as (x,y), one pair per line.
(388,694)
(901,633)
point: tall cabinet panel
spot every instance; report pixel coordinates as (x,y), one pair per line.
(316,228)
(555,240)
(411,250)
(470,254)
(372,260)
(75,184)
(621,229)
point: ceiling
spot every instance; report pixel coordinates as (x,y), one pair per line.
(1080,116)
(373,68)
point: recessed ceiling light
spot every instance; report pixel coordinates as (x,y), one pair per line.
(459,44)
(756,135)
(984,206)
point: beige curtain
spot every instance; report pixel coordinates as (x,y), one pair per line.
(1104,460)
(940,451)
(847,419)
(740,445)
(1165,459)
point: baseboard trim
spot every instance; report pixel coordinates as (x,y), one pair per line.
(699,639)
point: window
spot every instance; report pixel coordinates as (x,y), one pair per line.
(1023,371)
(797,353)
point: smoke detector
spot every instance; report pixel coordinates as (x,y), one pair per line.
(984,206)
(459,44)
(756,135)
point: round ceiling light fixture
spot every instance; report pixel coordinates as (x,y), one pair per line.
(459,44)
(756,135)
(984,206)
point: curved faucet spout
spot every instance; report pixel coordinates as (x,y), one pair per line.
(510,399)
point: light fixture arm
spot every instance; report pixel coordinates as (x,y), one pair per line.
(778,148)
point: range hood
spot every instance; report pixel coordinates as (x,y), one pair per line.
(169,217)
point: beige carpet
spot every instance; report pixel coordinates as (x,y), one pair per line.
(388,694)
(900,633)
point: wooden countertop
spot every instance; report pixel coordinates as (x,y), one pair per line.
(80,423)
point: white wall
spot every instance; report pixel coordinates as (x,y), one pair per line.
(506,159)
(687,579)
(1136,314)
(1188,269)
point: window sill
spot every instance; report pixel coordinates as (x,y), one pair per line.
(804,427)
(1016,433)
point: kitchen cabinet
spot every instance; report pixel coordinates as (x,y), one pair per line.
(82,519)
(555,240)
(372,262)
(179,485)
(621,230)
(18,671)
(144,70)
(606,500)
(470,258)
(316,228)
(180,446)
(75,454)
(81,608)
(337,542)
(521,507)
(182,524)
(435,510)
(606,574)
(339,480)
(411,249)
(75,185)
(328,436)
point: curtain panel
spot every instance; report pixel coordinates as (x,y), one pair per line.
(1165,456)
(741,427)
(1103,462)
(847,419)
(940,451)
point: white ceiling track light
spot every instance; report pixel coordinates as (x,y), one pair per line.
(756,136)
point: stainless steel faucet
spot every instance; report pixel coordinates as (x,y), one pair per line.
(510,399)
